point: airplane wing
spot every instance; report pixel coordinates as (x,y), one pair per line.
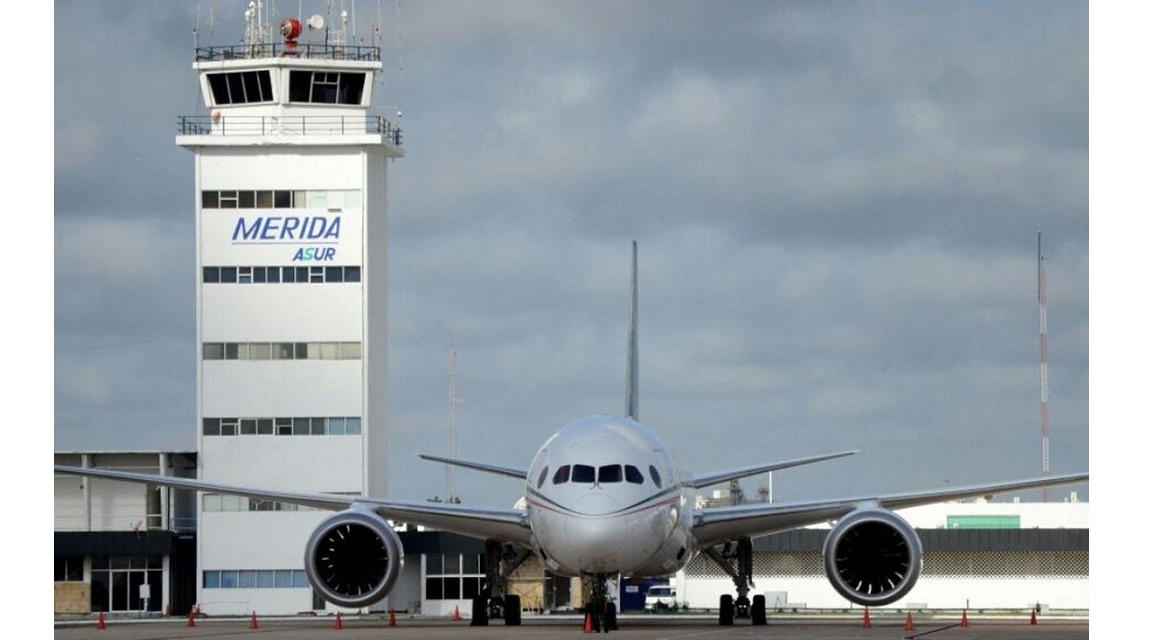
(508,525)
(479,466)
(722,524)
(716,477)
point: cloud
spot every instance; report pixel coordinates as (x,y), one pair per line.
(836,207)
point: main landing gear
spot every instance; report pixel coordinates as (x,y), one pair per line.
(736,561)
(494,602)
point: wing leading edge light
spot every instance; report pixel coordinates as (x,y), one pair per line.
(603,498)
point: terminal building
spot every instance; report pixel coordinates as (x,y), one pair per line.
(291,182)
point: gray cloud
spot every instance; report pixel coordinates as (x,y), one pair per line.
(836,205)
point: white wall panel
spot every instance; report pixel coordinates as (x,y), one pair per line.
(69,504)
(240,540)
(306,463)
(282,388)
(301,167)
(282,313)
(117,506)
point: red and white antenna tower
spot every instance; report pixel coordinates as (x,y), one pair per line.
(1042,297)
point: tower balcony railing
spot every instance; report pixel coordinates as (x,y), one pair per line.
(287,50)
(222,125)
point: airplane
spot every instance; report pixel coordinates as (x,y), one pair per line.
(603,499)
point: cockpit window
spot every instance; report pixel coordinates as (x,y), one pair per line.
(587,474)
(611,473)
(543,476)
(561,475)
(655,476)
(583,473)
(633,475)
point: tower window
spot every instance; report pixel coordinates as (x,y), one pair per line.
(240,87)
(326,87)
(281,351)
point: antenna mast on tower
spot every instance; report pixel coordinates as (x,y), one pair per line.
(1042,297)
(453,400)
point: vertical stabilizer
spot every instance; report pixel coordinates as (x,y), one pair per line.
(632,388)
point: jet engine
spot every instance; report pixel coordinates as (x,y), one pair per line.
(872,557)
(353,558)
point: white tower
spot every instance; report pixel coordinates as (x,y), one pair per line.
(291,304)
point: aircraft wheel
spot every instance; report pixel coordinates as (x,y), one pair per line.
(727,610)
(512,611)
(759,611)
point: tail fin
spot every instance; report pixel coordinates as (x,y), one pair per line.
(632,384)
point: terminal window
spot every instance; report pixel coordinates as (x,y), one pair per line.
(255,579)
(69,568)
(215,502)
(452,576)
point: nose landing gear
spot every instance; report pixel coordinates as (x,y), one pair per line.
(600,610)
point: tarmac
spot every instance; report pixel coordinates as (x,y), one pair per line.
(945,626)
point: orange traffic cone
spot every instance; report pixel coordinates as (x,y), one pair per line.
(587,622)
(391,618)
(456,614)
(253,624)
(1033,621)
(100,621)
(964,619)
(339,621)
(908,626)
(191,619)
(867,619)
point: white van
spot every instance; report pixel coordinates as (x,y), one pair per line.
(660,598)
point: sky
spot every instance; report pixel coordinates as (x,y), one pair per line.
(836,205)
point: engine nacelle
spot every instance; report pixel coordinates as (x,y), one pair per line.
(872,557)
(353,558)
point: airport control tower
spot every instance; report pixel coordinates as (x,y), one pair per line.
(291,296)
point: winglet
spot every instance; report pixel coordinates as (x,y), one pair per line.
(632,382)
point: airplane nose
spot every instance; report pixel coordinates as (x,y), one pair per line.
(597,503)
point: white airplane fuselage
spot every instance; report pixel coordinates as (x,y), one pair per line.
(604,497)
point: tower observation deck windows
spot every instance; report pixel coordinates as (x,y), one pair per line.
(326,87)
(241,87)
